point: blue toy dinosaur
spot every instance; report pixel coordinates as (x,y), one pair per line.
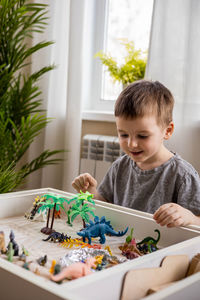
(99,227)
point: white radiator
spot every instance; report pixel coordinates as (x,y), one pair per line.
(97,154)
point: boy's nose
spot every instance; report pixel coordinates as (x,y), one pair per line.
(132,143)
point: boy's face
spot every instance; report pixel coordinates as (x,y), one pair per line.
(142,139)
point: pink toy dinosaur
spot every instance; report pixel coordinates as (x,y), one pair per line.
(75,270)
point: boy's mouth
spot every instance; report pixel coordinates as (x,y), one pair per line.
(136,153)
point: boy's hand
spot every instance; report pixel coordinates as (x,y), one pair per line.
(174,215)
(85,182)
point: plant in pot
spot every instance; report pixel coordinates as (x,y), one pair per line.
(133,67)
(21,116)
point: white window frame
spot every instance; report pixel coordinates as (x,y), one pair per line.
(94,107)
(95,25)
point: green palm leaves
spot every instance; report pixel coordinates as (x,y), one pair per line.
(81,197)
(21,117)
(83,211)
(81,208)
(9,179)
(54,202)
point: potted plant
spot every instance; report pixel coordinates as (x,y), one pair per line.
(133,67)
(21,116)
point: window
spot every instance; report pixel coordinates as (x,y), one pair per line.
(112,21)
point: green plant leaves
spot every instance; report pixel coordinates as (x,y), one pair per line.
(9,179)
(80,207)
(134,64)
(21,116)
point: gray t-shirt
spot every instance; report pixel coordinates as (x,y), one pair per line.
(146,190)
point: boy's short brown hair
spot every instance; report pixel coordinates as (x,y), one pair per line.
(143,98)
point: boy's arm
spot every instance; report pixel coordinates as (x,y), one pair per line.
(97,196)
(196,221)
(174,215)
(188,195)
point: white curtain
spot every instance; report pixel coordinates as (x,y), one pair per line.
(174,60)
(61,93)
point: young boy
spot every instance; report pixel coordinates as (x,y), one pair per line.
(148,177)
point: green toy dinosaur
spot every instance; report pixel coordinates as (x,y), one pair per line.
(10,252)
(150,241)
(129,237)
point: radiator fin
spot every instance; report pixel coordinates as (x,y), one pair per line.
(97,154)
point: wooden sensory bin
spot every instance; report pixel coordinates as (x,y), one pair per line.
(18,283)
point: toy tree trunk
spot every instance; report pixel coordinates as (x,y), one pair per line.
(68,216)
(53,216)
(47,230)
(84,225)
(48,216)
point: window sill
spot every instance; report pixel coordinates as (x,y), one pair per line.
(102,116)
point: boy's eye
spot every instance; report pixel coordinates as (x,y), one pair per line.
(143,136)
(124,135)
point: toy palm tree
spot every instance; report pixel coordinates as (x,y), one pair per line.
(47,205)
(52,202)
(83,212)
(82,197)
(81,208)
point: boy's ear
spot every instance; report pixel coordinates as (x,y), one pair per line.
(169,131)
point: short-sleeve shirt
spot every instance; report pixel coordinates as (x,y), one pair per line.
(174,181)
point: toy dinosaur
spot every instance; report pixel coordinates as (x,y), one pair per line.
(26,266)
(76,270)
(130,239)
(2,243)
(42,260)
(149,243)
(57,214)
(25,251)
(14,244)
(130,251)
(53,263)
(129,248)
(57,269)
(23,255)
(10,252)
(99,228)
(33,215)
(57,237)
